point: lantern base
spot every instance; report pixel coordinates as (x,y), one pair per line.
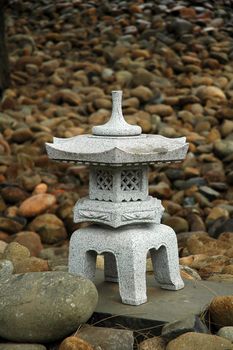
(129,245)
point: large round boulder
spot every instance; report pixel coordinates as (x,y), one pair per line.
(43,307)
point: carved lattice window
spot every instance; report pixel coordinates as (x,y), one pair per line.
(104,180)
(131,180)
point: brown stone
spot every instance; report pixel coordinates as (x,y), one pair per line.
(3,246)
(160,109)
(210,92)
(189,274)
(75,343)
(21,135)
(36,204)
(50,228)
(221,310)
(228,269)
(199,341)
(155,343)
(171,207)
(29,239)
(221,277)
(143,93)
(13,194)
(16,251)
(31,264)
(161,190)
(40,188)
(11,225)
(66,96)
(229,252)
(177,223)
(215,214)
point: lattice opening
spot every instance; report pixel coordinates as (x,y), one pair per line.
(131,180)
(104,180)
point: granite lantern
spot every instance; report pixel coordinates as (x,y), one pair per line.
(126,220)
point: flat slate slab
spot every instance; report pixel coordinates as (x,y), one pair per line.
(163,305)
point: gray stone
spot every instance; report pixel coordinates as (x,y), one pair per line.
(226,332)
(191,323)
(107,338)
(219,226)
(223,148)
(180,26)
(209,192)
(44,306)
(13,346)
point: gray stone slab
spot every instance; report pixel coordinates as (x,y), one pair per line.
(163,305)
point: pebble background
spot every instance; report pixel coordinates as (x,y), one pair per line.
(173,61)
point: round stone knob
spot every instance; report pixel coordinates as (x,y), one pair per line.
(117,126)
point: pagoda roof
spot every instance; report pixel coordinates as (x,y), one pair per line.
(144,148)
(118,143)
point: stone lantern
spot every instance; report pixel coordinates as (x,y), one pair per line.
(126,220)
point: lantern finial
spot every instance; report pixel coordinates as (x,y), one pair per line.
(117,126)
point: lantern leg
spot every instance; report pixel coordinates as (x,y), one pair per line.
(110,268)
(132,276)
(165,262)
(82,260)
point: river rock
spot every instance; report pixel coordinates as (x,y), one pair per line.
(30,181)
(12,224)
(228,269)
(50,228)
(16,251)
(14,346)
(223,148)
(157,343)
(29,239)
(225,225)
(3,246)
(221,277)
(31,264)
(226,332)
(177,223)
(75,343)
(107,338)
(143,93)
(13,194)
(216,213)
(43,307)
(66,96)
(36,204)
(221,310)
(210,92)
(198,341)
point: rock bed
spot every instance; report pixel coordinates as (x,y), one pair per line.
(173,61)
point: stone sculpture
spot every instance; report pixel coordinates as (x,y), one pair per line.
(126,219)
